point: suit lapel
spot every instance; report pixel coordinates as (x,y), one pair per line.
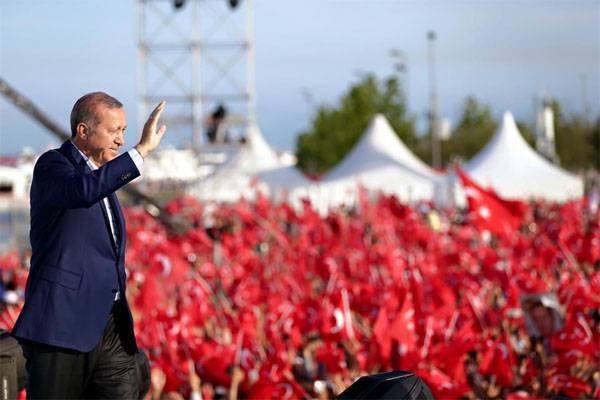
(69,150)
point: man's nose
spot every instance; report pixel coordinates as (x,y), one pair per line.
(119,139)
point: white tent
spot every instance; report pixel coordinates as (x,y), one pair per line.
(284,178)
(286,183)
(172,164)
(382,162)
(515,170)
(254,156)
(236,177)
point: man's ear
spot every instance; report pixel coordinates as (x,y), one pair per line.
(83,131)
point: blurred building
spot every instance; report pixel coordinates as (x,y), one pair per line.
(15,180)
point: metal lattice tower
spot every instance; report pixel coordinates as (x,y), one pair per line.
(196,54)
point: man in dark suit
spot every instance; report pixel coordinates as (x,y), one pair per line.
(76,327)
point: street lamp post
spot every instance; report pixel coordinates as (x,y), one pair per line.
(434,124)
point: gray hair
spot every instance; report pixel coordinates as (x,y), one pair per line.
(84,109)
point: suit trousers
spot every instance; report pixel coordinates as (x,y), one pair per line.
(106,372)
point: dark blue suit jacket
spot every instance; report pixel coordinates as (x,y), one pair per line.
(75,265)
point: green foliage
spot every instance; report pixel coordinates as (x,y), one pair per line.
(475,128)
(335,130)
(576,140)
(594,141)
(528,133)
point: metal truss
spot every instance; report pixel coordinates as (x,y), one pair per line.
(196,56)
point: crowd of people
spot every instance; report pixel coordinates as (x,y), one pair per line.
(259,300)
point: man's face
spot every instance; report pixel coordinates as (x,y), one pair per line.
(106,138)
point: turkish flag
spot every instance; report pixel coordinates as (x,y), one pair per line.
(404,327)
(488,210)
(381,333)
(342,315)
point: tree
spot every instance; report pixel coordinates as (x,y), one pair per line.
(576,140)
(527,131)
(475,128)
(594,141)
(336,129)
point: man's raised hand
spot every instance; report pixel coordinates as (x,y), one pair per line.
(151,136)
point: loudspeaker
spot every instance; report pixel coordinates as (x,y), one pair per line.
(388,385)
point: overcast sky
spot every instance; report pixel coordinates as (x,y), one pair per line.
(308,52)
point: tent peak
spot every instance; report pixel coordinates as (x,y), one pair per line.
(515,170)
(508,121)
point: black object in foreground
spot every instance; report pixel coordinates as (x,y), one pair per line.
(388,385)
(13,376)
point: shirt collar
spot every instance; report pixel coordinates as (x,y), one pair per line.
(88,160)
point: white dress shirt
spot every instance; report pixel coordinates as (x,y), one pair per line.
(138,160)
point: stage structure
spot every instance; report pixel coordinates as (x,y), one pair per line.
(199,56)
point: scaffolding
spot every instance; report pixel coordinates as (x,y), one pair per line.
(197,55)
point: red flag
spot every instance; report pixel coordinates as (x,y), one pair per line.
(576,335)
(381,333)
(488,210)
(10,261)
(284,388)
(478,307)
(343,316)
(570,386)
(441,385)
(450,356)
(8,317)
(498,359)
(404,328)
